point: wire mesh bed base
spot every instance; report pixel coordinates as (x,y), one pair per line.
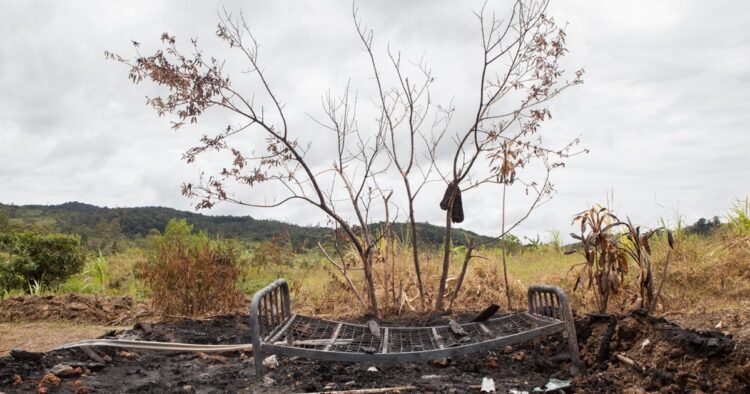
(275,330)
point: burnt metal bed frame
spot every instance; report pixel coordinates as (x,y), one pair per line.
(274,329)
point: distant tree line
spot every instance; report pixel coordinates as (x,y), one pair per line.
(110,229)
(704,226)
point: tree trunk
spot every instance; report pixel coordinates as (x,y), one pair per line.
(446,257)
(367,260)
(414,249)
(460,281)
(505,264)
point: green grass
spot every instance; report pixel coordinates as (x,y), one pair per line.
(533,267)
(114,275)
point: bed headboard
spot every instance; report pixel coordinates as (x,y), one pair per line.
(549,301)
(269,310)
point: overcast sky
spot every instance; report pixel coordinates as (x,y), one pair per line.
(664,109)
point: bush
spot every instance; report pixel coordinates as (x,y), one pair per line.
(739,217)
(33,258)
(191,274)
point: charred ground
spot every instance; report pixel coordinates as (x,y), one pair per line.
(668,358)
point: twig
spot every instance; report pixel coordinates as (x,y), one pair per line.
(630,362)
(661,284)
(348,280)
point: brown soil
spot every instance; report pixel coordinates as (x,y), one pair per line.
(81,308)
(669,358)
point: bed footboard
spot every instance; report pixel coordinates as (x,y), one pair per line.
(269,310)
(551,301)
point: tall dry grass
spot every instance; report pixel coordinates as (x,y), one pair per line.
(325,291)
(705,273)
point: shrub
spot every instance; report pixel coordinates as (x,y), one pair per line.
(739,217)
(191,274)
(96,274)
(34,258)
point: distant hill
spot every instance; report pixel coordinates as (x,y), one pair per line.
(94,222)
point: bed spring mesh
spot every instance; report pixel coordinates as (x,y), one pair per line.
(327,335)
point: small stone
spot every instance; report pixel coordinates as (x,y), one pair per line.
(330,386)
(519,356)
(145,327)
(127,355)
(61,370)
(77,306)
(508,349)
(268,381)
(368,350)
(430,377)
(441,362)
(205,376)
(271,362)
(372,369)
(488,385)
(49,378)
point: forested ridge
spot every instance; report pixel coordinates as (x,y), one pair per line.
(93,223)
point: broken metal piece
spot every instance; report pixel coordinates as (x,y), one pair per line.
(456,328)
(486,313)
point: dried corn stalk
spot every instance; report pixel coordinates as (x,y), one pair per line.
(607,251)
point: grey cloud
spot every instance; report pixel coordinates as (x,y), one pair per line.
(663,109)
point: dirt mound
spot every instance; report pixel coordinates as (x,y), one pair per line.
(72,307)
(637,352)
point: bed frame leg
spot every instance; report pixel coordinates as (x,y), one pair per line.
(570,331)
(258,356)
(576,365)
(255,339)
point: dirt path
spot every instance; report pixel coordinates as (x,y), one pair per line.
(43,336)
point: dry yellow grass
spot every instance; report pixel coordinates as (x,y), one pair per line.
(705,274)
